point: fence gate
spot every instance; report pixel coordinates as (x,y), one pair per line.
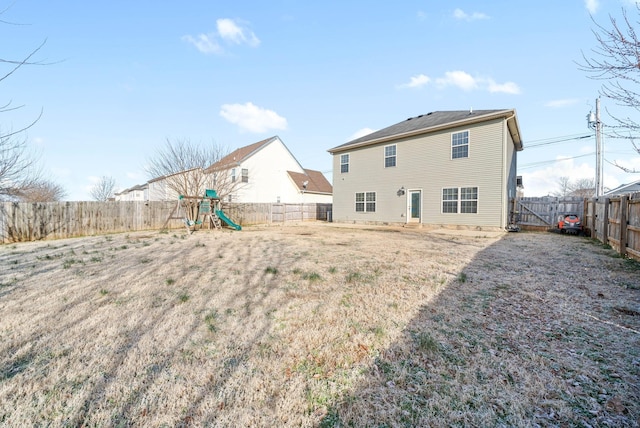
(544,212)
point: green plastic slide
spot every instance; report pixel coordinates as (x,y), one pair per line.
(227,220)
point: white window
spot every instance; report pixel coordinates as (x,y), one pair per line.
(233,175)
(460,145)
(389,156)
(460,200)
(365,202)
(344,163)
(245,175)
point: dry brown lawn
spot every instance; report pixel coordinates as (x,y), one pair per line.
(319,325)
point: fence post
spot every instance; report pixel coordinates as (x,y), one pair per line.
(605,222)
(594,216)
(623,224)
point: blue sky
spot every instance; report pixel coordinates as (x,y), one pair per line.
(122,77)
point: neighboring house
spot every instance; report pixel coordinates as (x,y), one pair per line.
(445,168)
(266,171)
(138,192)
(625,189)
(312,185)
(162,188)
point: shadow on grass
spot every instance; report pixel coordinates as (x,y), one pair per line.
(512,342)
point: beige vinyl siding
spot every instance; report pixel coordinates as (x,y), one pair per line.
(425,163)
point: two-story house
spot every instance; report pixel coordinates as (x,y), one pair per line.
(139,192)
(266,171)
(445,168)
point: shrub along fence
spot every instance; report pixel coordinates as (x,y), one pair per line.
(20,221)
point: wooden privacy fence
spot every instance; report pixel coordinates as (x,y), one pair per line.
(611,220)
(542,213)
(21,221)
(615,221)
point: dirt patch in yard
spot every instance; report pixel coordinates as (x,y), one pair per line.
(319,324)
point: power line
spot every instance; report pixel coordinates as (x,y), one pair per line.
(549,141)
(534,164)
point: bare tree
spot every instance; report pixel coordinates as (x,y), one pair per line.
(565,186)
(18,170)
(42,191)
(616,60)
(104,189)
(18,165)
(185,168)
(582,187)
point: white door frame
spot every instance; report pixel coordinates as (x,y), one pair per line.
(411,218)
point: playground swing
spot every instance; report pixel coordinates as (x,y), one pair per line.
(182,211)
(209,212)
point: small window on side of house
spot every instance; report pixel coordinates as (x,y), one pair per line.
(469,200)
(233,175)
(245,175)
(450,200)
(460,145)
(344,163)
(390,156)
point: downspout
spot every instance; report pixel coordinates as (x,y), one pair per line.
(505,210)
(505,178)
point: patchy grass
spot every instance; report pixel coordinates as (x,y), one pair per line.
(315,326)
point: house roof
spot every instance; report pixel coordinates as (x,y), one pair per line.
(316,181)
(632,187)
(239,155)
(435,121)
(163,177)
(131,189)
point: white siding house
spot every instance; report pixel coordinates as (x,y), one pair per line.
(266,171)
(139,192)
(449,168)
(163,188)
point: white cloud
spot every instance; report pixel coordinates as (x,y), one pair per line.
(227,30)
(205,43)
(592,6)
(252,118)
(459,79)
(462,15)
(465,81)
(506,88)
(361,133)
(545,181)
(416,81)
(563,102)
(422,15)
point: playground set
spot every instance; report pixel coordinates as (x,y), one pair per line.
(209,212)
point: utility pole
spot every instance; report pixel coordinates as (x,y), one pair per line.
(595,123)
